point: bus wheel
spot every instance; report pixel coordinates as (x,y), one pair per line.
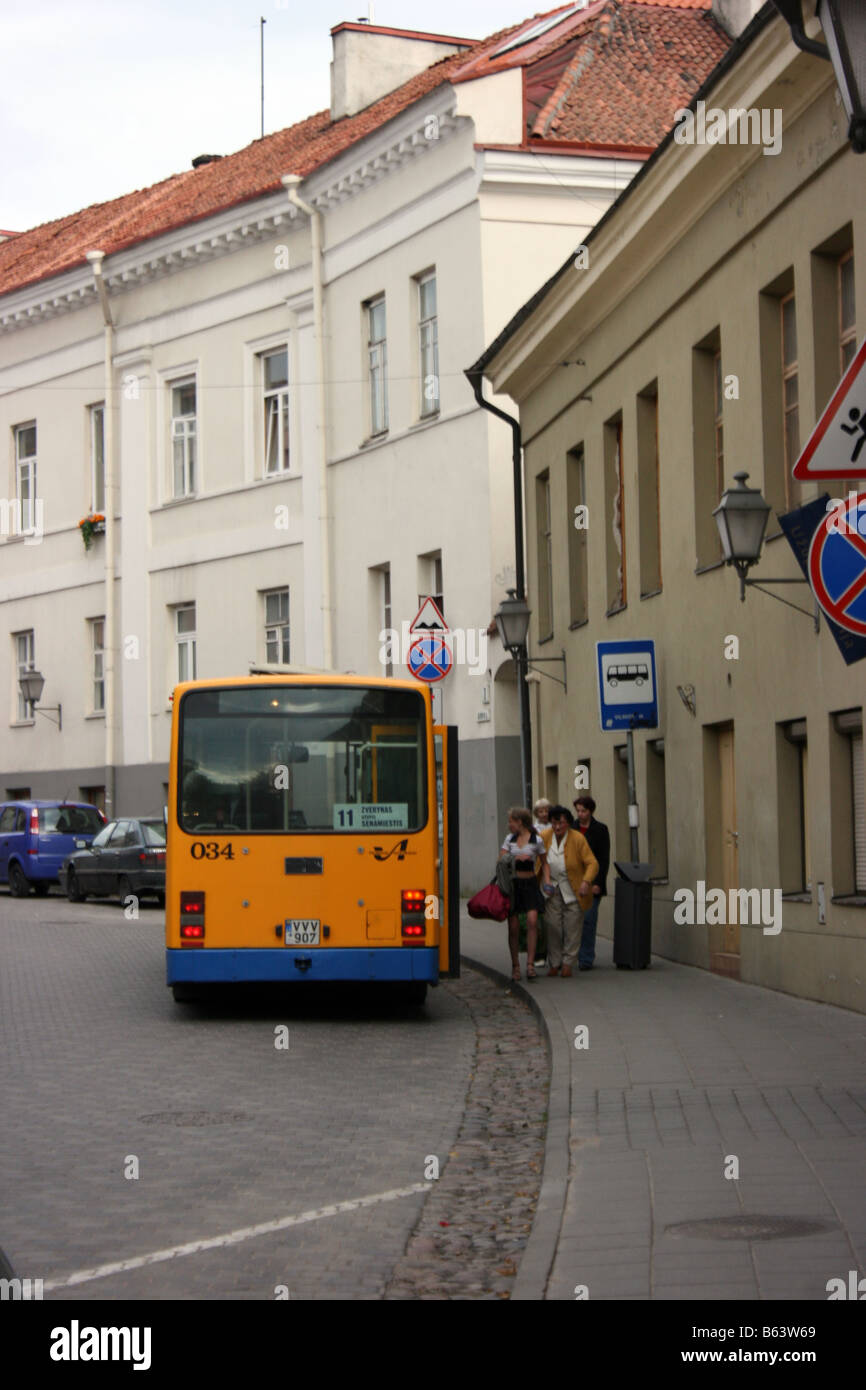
(185,994)
(73,891)
(415,992)
(18,885)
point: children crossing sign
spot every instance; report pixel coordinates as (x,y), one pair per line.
(837,446)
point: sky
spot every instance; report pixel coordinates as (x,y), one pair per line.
(101,98)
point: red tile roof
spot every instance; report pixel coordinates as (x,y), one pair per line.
(609,76)
(631,70)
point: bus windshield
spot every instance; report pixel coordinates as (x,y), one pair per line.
(283,759)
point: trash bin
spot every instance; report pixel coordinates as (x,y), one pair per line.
(632,916)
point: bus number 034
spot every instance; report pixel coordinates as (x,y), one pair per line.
(201,849)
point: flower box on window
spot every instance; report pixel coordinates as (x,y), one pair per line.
(91,526)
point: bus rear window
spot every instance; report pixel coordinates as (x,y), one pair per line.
(282,759)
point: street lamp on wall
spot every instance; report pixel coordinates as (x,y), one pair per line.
(742,517)
(844,25)
(31,685)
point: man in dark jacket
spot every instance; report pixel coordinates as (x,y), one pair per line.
(598,838)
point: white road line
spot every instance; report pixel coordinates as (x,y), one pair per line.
(193,1247)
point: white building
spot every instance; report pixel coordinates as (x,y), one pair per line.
(260,384)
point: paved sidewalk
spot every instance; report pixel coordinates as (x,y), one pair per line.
(688,1076)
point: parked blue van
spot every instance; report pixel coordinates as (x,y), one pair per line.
(36,837)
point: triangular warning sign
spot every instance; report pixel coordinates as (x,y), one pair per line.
(837,445)
(428,618)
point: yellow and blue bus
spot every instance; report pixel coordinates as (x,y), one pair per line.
(311,834)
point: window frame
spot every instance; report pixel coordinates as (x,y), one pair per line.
(847,336)
(282,395)
(24,715)
(430,347)
(281,627)
(97,666)
(97,465)
(185,640)
(26,467)
(377,369)
(187,437)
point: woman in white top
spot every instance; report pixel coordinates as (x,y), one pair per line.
(526,849)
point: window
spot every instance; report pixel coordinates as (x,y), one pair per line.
(709,446)
(551,783)
(847,321)
(578,530)
(648,490)
(277,627)
(614,510)
(386,612)
(430,578)
(184,630)
(18,794)
(834,325)
(780,391)
(183,437)
(25,660)
(275,382)
(377,364)
(25,475)
(790,389)
(428,343)
(847,803)
(97,665)
(657,810)
(545,556)
(792,788)
(97,458)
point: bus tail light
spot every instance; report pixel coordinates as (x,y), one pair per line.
(412,901)
(192,916)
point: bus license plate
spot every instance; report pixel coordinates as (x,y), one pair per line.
(302,931)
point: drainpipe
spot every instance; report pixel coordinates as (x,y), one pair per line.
(475,380)
(96,258)
(290,182)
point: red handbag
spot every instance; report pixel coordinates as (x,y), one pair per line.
(490,903)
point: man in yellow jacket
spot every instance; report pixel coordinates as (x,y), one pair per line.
(573,867)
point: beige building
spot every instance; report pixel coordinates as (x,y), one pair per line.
(720,301)
(260,385)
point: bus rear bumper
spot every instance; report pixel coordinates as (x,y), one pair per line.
(385,963)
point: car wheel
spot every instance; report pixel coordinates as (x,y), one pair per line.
(124,889)
(18,885)
(73,888)
(41,888)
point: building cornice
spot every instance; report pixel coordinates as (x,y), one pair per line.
(380,154)
(526,171)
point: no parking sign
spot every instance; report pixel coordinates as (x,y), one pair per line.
(831,552)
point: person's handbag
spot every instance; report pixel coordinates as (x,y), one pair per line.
(490,903)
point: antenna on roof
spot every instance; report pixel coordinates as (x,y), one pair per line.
(262,23)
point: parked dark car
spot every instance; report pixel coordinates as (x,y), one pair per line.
(36,837)
(127,857)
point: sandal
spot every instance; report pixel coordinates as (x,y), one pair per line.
(530,973)
(515,974)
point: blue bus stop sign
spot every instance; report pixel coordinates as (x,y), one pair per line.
(627,690)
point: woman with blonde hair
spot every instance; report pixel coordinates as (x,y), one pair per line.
(525,848)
